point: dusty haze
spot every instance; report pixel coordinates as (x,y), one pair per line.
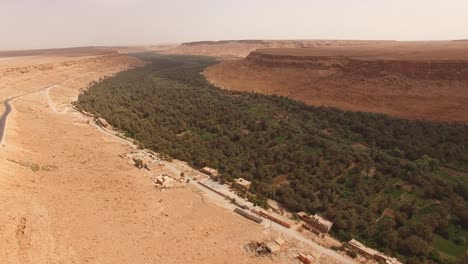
(28,24)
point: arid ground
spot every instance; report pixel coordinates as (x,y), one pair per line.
(416,80)
(67,194)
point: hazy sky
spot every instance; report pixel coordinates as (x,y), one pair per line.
(65,23)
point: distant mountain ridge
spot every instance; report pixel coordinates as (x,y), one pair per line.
(236,49)
(91,50)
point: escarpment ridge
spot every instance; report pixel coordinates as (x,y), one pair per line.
(415,80)
(375,67)
(236,49)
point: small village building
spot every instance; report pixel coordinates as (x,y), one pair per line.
(276,245)
(210,172)
(257,220)
(281,243)
(306,259)
(372,253)
(102,122)
(242,184)
(277,218)
(164,181)
(381,258)
(274,205)
(362,249)
(317,222)
(273,247)
(144,159)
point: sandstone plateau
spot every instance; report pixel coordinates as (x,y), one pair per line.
(416,80)
(236,49)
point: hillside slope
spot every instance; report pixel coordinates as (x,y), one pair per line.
(410,80)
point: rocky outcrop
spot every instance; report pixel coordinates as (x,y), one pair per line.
(428,70)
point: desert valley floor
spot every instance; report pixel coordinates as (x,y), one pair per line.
(68,196)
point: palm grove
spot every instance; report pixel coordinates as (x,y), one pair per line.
(349,166)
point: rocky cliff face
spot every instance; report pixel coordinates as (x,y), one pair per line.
(427,70)
(430,86)
(309,62)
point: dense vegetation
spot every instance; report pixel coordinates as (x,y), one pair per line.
(397,185)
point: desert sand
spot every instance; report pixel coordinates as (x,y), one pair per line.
(69,196)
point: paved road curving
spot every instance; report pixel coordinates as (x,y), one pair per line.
(4,118)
